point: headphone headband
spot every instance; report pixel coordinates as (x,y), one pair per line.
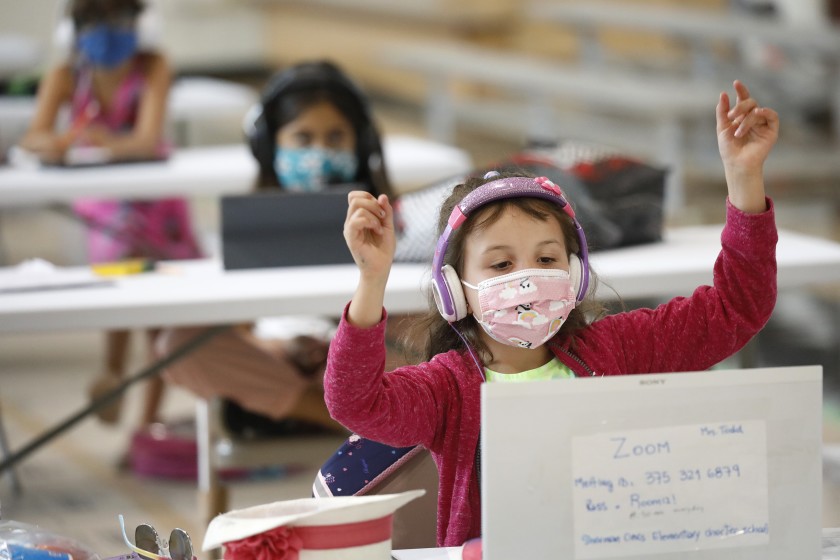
(513,187)
(311,75)
(501,189)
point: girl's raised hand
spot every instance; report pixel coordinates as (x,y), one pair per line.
(369,233)
(746,132)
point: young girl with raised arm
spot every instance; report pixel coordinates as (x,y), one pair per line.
(510,283)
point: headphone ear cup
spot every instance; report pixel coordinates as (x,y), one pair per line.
(456,290)
(64,37)
(452,286)
(575,273)
(259,140)
(150,28)
(249,126)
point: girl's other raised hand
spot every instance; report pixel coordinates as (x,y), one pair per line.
(746,131)
(369,233)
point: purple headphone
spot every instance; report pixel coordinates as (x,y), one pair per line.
(446,286)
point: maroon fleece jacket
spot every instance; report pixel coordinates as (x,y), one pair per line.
(437,403)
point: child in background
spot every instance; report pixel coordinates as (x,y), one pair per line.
(312,129)
(117,95)
(510,280)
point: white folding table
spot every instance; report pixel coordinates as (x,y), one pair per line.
(205,171)
(200,292)
(208,171)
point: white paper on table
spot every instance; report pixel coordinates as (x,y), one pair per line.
(670,489)
(37,274)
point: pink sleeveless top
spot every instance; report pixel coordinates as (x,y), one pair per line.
(117,229)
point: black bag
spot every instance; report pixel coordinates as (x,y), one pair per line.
(617,200)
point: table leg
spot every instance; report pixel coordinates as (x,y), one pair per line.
(6,452)
(212,495)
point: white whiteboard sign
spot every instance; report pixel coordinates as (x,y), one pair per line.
(715,465)
(670,489)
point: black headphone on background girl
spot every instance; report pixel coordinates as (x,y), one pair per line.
(321,75)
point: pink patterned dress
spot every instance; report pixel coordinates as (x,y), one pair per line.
(117,229)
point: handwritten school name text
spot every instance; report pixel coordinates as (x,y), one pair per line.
(695,535)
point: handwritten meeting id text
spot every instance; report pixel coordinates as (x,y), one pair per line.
(670,489)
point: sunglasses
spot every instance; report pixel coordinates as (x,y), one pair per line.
(149,545)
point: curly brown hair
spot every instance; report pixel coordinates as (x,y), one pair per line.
(439,335)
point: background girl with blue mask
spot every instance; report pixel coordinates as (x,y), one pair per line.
(117,94)
(117,90)
(312,129)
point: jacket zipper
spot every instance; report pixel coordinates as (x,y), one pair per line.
(573,356)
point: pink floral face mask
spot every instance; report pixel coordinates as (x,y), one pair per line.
(525,308)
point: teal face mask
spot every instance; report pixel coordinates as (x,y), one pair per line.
(312,169)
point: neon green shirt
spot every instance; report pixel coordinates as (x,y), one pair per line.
(554,369)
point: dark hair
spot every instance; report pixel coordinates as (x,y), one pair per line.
(294,90)
(440,336)
(86,12)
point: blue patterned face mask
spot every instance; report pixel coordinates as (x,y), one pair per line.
(312,169)
(107,46)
